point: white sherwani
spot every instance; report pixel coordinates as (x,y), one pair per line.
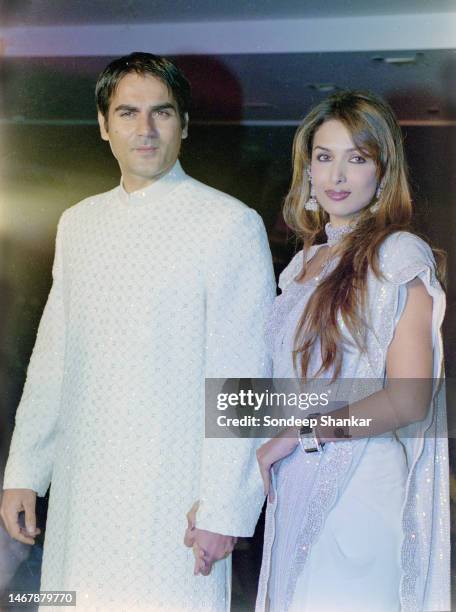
(152,292)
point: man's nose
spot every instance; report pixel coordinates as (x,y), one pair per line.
(147,125)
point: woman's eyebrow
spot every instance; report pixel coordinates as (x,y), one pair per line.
(326,149)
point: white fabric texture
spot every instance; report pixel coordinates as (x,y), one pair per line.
(340,516)
(152,291)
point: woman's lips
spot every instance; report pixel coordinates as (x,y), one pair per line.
(337,195)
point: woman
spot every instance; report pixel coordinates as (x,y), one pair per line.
(362,524)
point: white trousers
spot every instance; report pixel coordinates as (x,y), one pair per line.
(354,565)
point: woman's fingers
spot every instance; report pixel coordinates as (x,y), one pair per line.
(264,467)
(265,476)
(189,537)
(271,494)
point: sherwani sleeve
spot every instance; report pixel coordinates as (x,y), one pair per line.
(31,454)
(240,292)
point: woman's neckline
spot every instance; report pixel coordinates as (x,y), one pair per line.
(310,254)
(334,236)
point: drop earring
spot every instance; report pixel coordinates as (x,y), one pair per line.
(378,195)
(311,203)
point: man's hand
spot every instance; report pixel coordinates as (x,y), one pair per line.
(208,547)
(15,501)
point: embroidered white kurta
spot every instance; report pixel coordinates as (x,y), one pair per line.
(152,291)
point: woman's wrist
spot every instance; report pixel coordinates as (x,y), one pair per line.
(308,437)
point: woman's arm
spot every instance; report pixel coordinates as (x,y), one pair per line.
(405,398)
(409,363)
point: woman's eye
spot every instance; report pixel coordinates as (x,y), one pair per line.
(323,157)
(358,159)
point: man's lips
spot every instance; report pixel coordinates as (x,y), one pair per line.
(337,195)
(146,149)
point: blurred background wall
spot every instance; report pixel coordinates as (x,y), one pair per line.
(256,68)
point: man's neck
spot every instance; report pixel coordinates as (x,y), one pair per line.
(133,183)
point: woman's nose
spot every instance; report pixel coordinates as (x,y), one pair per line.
(338,173)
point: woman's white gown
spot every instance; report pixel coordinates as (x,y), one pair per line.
(363,526)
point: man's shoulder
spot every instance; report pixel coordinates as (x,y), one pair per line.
(91,201)
(216,201)
(84,207)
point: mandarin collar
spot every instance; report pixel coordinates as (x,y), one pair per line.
(156,190)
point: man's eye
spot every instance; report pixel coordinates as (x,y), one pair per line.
(126,114)
(162,113)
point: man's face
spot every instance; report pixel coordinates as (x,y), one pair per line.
(143,129)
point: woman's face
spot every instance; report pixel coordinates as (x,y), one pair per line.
(344,178)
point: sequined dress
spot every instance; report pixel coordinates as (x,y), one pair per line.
(152,291)
(363,526)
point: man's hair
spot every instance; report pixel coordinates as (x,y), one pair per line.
(143,64)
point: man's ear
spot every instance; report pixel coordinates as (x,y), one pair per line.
(103,123)
(185,128)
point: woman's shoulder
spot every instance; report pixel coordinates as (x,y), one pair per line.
(402,254)
(405,241)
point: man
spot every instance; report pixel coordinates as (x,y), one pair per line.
(156,284)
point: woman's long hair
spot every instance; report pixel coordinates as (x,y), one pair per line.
(375,132)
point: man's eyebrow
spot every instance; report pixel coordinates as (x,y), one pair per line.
(157,107)
(123,107)
(164,106)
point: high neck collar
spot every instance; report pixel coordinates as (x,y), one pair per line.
(155,190)
(335,234)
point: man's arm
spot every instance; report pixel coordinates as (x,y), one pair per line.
(240,292)
(30,462)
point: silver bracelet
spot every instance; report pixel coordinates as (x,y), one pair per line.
(308,440)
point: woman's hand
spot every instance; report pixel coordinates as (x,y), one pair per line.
(272,451)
